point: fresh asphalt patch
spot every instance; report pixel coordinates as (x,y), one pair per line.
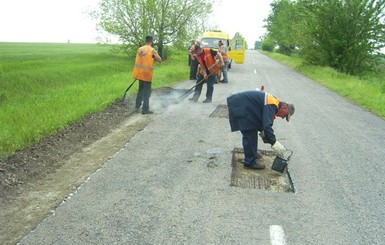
(266,179)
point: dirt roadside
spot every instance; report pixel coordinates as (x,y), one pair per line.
(35,180)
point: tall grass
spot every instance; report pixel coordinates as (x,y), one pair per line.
(45,87)
(367,91)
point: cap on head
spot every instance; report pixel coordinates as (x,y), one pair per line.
(291,110)
(149,38)
(197,47)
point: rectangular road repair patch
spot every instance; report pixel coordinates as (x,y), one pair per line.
(221,111)
(266,179)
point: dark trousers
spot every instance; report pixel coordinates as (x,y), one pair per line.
(193,69)
(210,87)
(143,95)
(250,144)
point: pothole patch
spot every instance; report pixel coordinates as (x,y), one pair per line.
(266,179)
(221,111)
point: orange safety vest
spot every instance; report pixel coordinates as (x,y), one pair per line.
(144,64)
(209,60)
(271,100)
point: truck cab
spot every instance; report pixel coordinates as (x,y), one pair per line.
(211,39)
(236,46)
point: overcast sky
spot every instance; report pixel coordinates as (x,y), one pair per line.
(243,16)
(67,20)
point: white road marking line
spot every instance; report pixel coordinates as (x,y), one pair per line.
(255,71)
(277,236)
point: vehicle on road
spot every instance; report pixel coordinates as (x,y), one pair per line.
(211,39)
(238,48)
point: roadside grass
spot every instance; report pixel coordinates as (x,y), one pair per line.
(367,91)
(45,87)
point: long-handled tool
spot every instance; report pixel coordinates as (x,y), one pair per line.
(125,92)
(201,81)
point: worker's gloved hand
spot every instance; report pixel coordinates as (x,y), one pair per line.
(262,135)
(278,148)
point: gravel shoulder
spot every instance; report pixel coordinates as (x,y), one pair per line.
(35,180)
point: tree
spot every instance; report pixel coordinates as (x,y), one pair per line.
(171,22)
(268,44)
(283,25)
(344,34)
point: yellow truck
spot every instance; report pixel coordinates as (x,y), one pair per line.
(210,40)
(236,46)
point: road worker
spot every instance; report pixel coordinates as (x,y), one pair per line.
(207,73)
(189,54)
(194,62)
(223,50)
(143,71)
(253,111)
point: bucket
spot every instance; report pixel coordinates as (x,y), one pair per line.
(280,163)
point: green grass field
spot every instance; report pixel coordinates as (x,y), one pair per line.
(44,87)
(367,91)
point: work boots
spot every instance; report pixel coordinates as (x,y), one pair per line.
(194,99)
(207,101)
(147,112)
(255,166)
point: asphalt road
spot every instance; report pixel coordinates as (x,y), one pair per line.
(170,184)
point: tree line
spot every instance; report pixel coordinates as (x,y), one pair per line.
(170,22)
(346,35)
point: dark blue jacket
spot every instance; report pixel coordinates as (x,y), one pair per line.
(253,110)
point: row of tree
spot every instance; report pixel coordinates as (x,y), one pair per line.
(170,22)
(344,34)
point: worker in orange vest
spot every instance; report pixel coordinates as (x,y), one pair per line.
(253,111)
(143,71)
(208,69)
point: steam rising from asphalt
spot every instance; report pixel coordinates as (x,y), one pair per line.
(160,102)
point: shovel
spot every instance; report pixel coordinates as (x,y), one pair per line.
(201,81)
(125,92)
